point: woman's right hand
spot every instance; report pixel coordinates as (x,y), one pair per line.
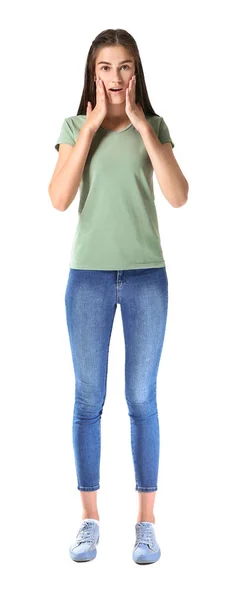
(94,117)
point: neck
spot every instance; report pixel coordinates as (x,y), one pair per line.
(117,113)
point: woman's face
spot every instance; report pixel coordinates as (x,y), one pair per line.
(114,74)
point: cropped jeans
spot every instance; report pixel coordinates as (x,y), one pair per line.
(91,299)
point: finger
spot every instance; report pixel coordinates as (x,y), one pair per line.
(128,97)
(96,87)
(131,91)
(99,91)
(130,94)
(134,89)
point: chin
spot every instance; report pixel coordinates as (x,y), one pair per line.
(115,99)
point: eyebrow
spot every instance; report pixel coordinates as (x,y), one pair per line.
(108,63)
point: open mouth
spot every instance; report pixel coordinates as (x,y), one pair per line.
(116,90)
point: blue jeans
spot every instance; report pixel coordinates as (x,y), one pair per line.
(91,300)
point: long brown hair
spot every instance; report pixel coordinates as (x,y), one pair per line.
(114,37)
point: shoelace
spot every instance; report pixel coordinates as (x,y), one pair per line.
(145,535)
(86,534)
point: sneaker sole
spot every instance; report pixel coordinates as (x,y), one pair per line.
(148,562)
(78,559)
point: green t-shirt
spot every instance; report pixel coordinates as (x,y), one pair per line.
(117,225)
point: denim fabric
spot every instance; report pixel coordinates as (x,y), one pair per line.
(91,300)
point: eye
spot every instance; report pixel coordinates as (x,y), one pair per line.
(106,66)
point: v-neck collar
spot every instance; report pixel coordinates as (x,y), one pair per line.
(118,131)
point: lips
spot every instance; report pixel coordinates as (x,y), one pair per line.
(115,89)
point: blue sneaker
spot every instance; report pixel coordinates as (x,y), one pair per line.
(84,546)
(146,549)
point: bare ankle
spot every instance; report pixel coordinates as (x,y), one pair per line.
(150,519)
(90,515)
(89,504)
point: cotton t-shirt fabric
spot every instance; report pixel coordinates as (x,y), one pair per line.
(117,225)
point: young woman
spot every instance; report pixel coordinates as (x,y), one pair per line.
(109,150)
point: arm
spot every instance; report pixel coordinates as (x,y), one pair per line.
(69,168)
(171,180)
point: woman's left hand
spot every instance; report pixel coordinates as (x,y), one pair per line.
(133,110)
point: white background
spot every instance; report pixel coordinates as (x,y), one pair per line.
(183,48)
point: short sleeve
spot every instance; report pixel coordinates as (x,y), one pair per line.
(66,135)
(163,134)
